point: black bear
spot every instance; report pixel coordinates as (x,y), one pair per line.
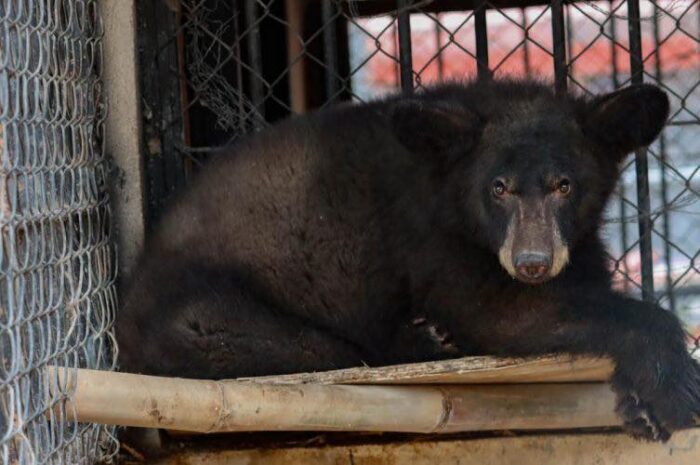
(462,220)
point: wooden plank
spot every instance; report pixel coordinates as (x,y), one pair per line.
(161,108)
(226,406)
(468,370)
(295,54)
(580,449)
(123,130)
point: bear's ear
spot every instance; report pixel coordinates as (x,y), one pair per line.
(434,127)
(627,119)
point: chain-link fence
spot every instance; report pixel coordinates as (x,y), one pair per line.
(226,67)
(57,294)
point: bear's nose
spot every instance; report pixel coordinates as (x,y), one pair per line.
(532,266)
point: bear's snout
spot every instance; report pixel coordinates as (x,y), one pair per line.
(533,266)
(533,250)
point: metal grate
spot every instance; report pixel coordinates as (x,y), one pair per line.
(226,67)
(57,294)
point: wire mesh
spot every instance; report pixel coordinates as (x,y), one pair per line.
(236,65)
(57,293)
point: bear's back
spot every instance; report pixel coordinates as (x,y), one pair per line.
(298,208)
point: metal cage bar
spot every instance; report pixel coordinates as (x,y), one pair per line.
(482,43)
(252,22)
(330,53)
(622,190)
(405,50)
(641,160)
(663,157)
(559,46)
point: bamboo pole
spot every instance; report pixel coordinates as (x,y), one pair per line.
(465,370)
(227,406)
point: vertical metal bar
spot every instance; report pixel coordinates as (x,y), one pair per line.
(438,47)
(559,46)
(526,42)
(569,40)
(238,57)
(405,52)
(624,240)
(254,55)
(330,55)
(395,39)
(482,42)
(641,161)
(613,48)
(184,95)
(658,75)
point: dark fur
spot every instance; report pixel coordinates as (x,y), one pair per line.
(348,236)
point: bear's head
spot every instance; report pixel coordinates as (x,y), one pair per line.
(523,172)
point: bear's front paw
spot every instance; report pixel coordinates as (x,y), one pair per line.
(653,414)
(638,420)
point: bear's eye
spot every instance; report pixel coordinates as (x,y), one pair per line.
(499,188)
(564,186)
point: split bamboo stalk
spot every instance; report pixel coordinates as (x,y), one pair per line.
(228,406)
(465,370)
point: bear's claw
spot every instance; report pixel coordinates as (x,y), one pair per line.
(639,421)
(672,406)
